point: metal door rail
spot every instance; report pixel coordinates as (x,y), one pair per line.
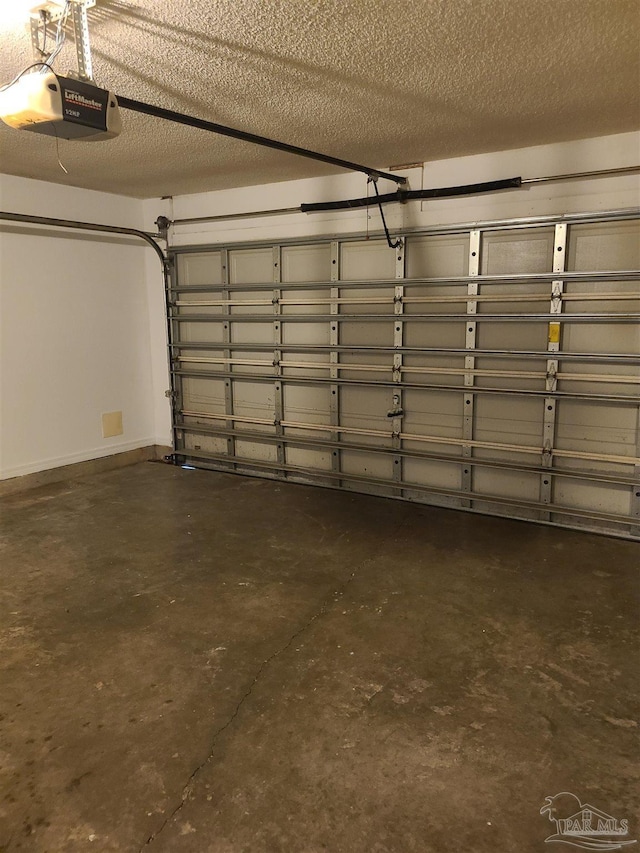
(422,371)
(325,444)
(405,300)
(245,136)
(73,224)
(620,358)
(418,386)
(313,473)
(426,439)
(422,318)
(386,283)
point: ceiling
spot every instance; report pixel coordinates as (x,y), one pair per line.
(381,82)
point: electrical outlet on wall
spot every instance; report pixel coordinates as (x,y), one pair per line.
(111,424)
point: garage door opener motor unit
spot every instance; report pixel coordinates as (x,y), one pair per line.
(70,107)
(60,106)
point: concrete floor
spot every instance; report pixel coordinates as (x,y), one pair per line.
(200,662)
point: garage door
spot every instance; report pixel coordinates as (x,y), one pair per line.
(493,369)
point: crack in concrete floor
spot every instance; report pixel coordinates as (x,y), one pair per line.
(188,788)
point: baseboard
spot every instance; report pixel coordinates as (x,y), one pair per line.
(82,469)
(87,455)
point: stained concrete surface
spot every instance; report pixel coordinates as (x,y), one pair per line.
(194,662)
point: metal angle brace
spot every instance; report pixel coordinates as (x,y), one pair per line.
(397,411)
(277,355)
(551,382)
(81,35)
(334,341)
(226,339)
(470,361)
(635,489)
(174,393)
(52,12)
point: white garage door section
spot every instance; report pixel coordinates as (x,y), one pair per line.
(494,368)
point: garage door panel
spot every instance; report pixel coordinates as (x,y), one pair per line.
(453,392)
(603,497)
(435,299)
(439,335)
(596,468)
(529,298)
(507,420)
(509,454)
(600,246)
(516,252)
(262,451)
(199,332)
(446,375)
(598,378)
(206,395)
(523,383)
(361,333)
(432,413)
(303,300)
(366,367)
(451,447)
(306,404)
(602,296)
(253,399)
(517,485)
(314,459)
(366,408)
(306,263)
(206,443)
(437,256)
(191,302)
(305,334)
(250,297)
(581,385)
(443,475)
(199,269)
(524,374)
(367,464)
(251,333)
(258,362)
(248,266)
(377,300)
(362,260)
(601,428)
(434,369)
(512,335)
(601,339)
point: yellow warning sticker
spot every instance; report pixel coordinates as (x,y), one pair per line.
(554,333)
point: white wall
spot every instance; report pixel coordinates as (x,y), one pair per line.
(603,193)
(74,329)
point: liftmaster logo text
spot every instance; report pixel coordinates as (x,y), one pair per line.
(77,98)
(584,826)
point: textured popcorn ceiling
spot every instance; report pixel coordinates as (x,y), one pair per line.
(383,82)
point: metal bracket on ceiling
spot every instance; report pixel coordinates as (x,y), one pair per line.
(163,224)
(56,12)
